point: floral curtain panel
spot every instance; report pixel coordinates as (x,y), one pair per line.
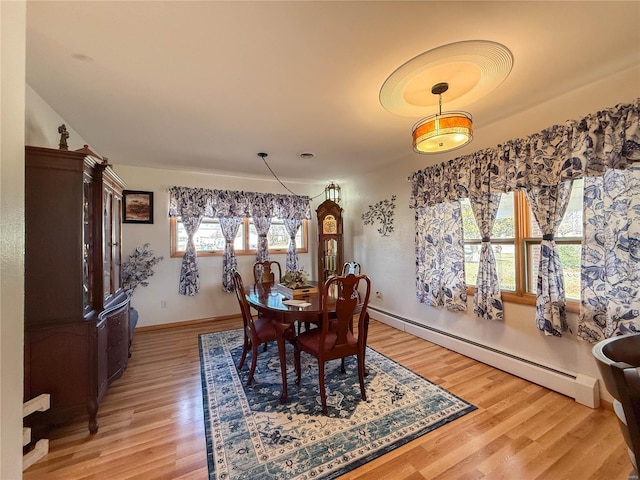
(184,201)
(610,277)
(292,207)
(292,226)
(263,208)
(487,301)
(440,257)
(229,227)
(194,203)
(189,275)
(191,204)
(231,203)
(262,227)
(587,147)
(606,139)
(548,205)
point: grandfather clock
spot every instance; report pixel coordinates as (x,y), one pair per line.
(329,240)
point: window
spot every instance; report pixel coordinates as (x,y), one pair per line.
(209,240)
(515,240)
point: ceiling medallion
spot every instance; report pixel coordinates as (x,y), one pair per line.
(471,68)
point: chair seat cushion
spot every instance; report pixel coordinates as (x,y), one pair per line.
(310,340)
(264,328)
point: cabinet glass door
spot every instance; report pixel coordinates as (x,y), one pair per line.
(87,244)
(330,257)
(116,249)
(107,225)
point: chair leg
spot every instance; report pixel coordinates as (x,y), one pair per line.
(254,361)
(323,393)
(342,369)
(265,347)
(296,357)
(361,373)
(245,349)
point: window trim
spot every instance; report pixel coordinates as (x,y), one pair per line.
(175,253)
(522,219)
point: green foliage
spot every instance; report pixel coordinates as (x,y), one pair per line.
(502,228)
(569,256)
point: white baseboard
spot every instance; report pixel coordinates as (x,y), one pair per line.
(582,388)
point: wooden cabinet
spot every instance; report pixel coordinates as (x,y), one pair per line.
(330,242)
(73,211)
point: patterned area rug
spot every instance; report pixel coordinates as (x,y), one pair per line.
(251,436)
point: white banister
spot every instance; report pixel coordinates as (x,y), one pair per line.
(40,403)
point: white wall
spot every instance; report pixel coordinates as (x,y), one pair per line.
(42,122)
(12,71)
(211,301)
(390,261)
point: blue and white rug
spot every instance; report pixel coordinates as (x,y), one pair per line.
(251,436)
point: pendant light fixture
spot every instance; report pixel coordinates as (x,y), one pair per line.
(442,132)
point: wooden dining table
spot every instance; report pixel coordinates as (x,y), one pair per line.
(273,304)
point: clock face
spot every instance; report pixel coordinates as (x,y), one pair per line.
(329,225)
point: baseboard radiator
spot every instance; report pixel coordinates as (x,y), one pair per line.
(584,389)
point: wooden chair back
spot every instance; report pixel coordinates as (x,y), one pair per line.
(348,299)
(336,337)
(350,267)
(247,318)
(265,272)
(257,331)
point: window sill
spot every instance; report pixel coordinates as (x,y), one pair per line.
(573,306)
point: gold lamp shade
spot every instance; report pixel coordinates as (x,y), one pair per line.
(442,132)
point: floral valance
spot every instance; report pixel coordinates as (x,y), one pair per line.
(185,201)
(587,147)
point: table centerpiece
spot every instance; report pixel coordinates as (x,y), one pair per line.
(294,284)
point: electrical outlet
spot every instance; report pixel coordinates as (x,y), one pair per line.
(163,304)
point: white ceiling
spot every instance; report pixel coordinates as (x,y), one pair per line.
(208,85)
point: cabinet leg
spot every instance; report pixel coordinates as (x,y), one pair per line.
(92,408)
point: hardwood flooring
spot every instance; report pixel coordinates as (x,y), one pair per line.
(151,423)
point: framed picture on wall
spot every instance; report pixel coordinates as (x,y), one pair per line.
(138,206)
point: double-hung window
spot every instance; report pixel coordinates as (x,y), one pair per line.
(209,240)
(515,240)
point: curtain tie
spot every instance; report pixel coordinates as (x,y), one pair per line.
(547,236)
(486,239)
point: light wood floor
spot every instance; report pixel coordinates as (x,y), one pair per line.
(151,424)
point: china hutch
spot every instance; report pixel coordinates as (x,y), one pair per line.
(76,313)
(330,244)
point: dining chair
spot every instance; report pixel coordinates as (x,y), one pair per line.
(335,338)
(350,267)
(257,331)
(264,272)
